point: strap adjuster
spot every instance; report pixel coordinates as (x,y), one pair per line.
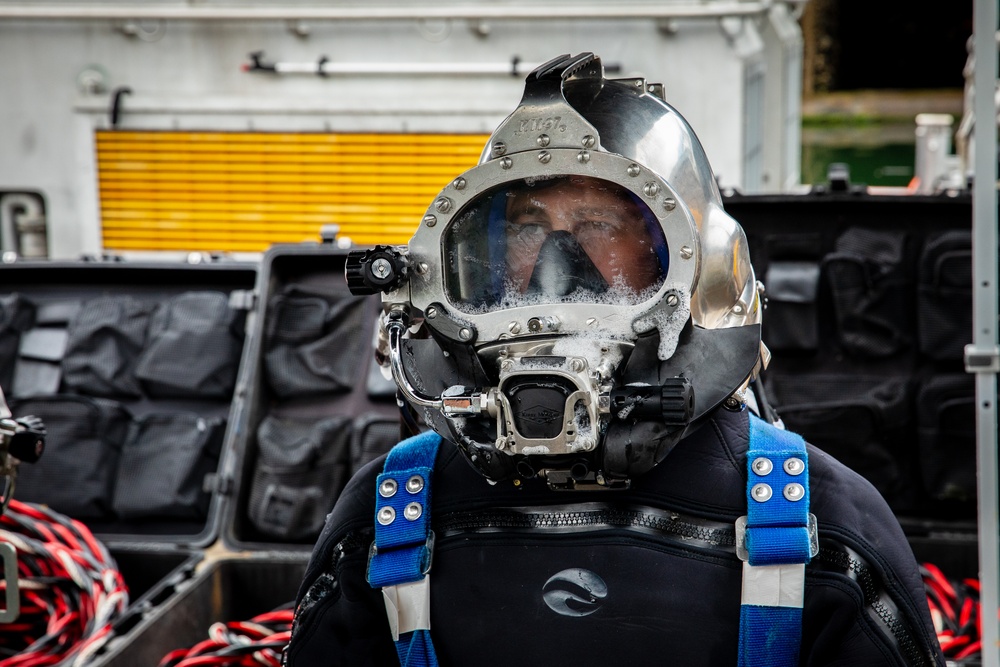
(408,606)
(741,537)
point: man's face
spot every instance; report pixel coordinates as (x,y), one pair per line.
(606,222)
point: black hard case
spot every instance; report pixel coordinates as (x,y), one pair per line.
(868,310)
(154,554)
(247,571)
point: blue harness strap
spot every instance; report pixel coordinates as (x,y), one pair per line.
(400,557)
(775,540)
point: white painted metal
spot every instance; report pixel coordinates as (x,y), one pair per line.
(395,71)
(984,272)
(493,11)
(933,151)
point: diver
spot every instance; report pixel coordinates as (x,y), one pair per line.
(575,329)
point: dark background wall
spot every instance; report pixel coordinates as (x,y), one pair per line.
(884,44)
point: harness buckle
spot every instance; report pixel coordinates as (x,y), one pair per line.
(741,537)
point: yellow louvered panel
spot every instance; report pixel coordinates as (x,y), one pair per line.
(244,191)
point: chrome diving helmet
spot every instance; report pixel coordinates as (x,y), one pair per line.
(577,302)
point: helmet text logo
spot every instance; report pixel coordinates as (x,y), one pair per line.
(574,592)
(540,414)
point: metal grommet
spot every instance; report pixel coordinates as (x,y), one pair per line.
(794,466)
(386,515)
(413,511)
(794,492)
(387,489)
(762,465)
(760,492)
(415,484)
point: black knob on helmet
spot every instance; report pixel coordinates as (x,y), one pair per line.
(381,269)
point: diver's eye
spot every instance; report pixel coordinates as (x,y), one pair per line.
(527,232)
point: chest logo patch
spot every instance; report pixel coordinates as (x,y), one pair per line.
(574,592)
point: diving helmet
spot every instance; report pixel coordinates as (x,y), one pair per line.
(576,303)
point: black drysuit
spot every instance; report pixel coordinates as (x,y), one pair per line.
(515,566)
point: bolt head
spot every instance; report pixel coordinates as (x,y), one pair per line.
(443,204)
(651,189)
(669,203)
(686,252)
(794,466)
(544,157)
(381,267)
(506,163)
(431,313)
(459,183)
(465,333)
(762,465)
(794,492)
(499,148)
(430,220)
(543,140)
(415,484)
(633,170)
(589,141)
(583,157)
(413,511)
(387,489)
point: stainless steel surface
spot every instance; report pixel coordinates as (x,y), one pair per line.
(984,273)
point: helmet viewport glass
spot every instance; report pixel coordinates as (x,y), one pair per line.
(559,239)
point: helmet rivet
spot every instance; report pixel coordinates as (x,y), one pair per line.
(430,220)
(415,484)
(633,170)
(794,466)
(762,465)
(669,203)
(443,204)
(761,492)
(459,183)
(794,492)
(514,327)
(686,252)
(732,404)
(583,157)
(413,511)
(544,157)
(506,365)
(534,325)
(651,189)
(506,163)
(465,333)
(421,268)
(499,148)
(387,489)
(386,515)
(431,313)
(673,300)
(576,365)
(737,309)
(501,444)
(588,141)
(543,140)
